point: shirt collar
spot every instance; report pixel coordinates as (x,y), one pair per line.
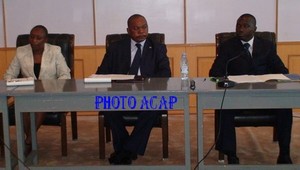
(250,42)
(133,44)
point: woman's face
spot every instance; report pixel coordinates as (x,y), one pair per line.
(37,39)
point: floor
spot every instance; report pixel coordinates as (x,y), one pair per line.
(254,145)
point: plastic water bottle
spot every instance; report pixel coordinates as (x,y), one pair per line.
(184,67)
(185,85)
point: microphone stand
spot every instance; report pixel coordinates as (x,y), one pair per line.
(225,82)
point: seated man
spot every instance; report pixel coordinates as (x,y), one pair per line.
(137,55)
(261,59)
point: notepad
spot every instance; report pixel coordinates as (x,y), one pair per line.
(97,80)
(106,78)
(258,78)
(97,85)
(20,82)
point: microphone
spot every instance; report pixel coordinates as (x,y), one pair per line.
(192,85)
(226,83)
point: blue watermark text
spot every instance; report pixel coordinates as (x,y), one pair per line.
(132,103)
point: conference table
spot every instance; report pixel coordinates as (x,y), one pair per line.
(10,161)
(76,95)
(243,96)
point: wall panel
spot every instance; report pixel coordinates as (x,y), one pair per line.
(59,16)
(294,62)
(165,16)
(204,65)
(288,20)
(3,62)
(205,18)
(2,43)
(87,60)
(289,53)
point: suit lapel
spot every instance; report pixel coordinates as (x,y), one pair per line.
(257,47)
(44,61)
(147,52)
(128,53)
(146,49)
(28,62)
(124,57)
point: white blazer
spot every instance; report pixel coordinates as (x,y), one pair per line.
(53,65)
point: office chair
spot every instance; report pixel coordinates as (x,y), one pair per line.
(66,42)
(131,118)
(247,118)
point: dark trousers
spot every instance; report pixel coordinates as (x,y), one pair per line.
(227,138)
(135,142)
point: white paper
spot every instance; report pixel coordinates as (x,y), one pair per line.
(258,78)
(97,85)
(97,80)
(20,82)
(106,78)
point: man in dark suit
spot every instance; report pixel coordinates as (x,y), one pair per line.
(148,59)
(261,58)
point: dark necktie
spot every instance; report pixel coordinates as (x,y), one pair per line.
(136,61)
(246,46)
(250,59)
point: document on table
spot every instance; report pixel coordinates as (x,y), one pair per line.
(20,82)
(106,78)
(258,78)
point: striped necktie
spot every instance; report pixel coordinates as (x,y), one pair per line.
(136,61)
(246,46)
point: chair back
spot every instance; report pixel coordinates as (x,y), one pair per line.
(224,36)
(156,37)
(65,41)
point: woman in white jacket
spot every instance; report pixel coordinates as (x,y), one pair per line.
(38,60)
